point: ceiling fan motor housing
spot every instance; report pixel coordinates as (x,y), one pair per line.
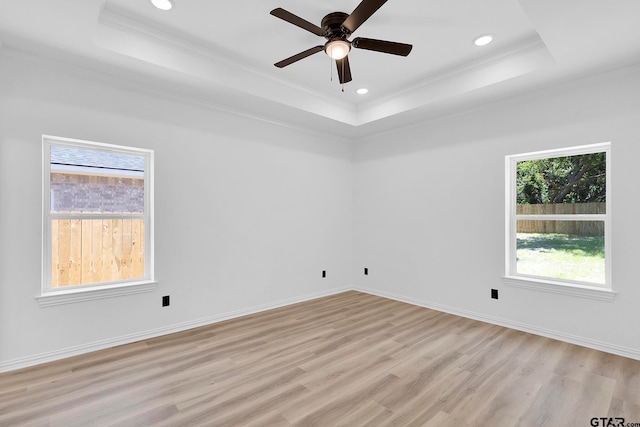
(332,26)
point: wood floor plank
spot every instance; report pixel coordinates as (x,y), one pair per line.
(350,359)
(372,371)
(624,409)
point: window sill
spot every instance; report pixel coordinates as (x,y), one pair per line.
(592,292)
(49,299)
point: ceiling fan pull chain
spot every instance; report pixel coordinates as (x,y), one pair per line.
(331,65)
(343,61)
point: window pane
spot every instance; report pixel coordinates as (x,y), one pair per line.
(569,250)
(562,185)
(96,250)
(93,181)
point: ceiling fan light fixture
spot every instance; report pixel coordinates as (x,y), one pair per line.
(337,49)
(163,4)
(483,40)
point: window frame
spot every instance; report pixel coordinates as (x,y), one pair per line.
(547,284)
(83,292)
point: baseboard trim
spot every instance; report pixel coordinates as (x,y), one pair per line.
(560,336)
(25,362)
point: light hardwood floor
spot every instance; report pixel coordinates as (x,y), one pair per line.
(350,359)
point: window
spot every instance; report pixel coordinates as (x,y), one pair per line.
(97,231)
(558,210)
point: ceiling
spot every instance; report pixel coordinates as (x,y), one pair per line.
(221,54)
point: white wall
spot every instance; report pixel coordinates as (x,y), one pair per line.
(267,208)
(429,209)
(247,214)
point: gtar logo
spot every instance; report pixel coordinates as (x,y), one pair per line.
(607,422)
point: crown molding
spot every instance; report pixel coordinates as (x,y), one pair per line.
(531,44)
(168,49)
(206,60)
(527,55)
(41,57)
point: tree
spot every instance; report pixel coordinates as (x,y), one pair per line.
(569,179)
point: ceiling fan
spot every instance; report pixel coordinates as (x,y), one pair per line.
(336,27)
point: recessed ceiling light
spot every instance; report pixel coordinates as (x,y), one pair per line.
(362,91)
(162,4)
(483,40)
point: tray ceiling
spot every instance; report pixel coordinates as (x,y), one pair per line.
(222,53)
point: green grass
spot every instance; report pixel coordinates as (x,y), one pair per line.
(561,256)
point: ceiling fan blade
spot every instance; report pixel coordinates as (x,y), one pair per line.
(344,70)
(296,20)
(299,56)
(383,46)
(363,12)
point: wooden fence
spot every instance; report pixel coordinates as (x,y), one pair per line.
(582,228)
(96,250)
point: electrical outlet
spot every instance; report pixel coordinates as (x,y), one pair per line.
(494,293)
(165,301)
